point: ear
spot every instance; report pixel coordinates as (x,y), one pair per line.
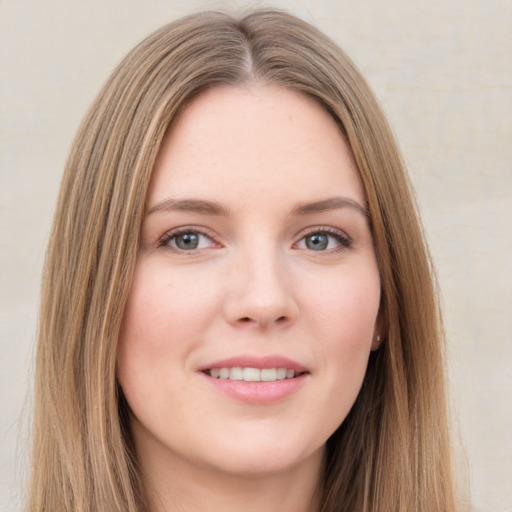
(378,332)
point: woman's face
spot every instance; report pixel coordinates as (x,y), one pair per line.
(256,263)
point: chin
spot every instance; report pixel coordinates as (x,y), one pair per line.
(262,458)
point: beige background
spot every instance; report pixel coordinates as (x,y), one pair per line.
(444,73)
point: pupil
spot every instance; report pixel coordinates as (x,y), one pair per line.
(317,242)
(187,241)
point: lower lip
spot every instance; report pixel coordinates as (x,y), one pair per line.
(258,392)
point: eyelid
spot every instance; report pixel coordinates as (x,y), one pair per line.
(344,240)
(164,239)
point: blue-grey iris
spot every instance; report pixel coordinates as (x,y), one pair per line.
(187,241)
(317,242)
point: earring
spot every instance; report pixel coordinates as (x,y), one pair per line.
(376,343)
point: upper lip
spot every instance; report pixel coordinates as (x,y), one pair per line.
(247,361)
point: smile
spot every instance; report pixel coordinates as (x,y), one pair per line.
(249,374)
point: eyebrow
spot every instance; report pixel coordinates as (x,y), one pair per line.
(191,205)
(213,208)
(332,203)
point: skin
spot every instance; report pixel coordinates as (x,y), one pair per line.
(255,285)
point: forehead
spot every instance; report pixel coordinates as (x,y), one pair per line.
(230,140)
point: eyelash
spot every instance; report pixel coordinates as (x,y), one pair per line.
(341,238)
(164,241)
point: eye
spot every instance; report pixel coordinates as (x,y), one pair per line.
(187,240)
(324,240)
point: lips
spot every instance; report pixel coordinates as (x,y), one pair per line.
(256,380)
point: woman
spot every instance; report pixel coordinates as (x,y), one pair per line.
(238,309)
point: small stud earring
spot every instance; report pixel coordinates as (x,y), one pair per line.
(378,337)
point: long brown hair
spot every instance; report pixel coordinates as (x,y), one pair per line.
(392,451)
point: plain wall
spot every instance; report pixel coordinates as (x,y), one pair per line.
(444,74)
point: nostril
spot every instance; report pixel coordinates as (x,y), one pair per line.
(247,319)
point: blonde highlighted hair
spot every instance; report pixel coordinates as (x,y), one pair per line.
(392,451)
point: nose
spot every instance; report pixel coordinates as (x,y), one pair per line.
(260,292)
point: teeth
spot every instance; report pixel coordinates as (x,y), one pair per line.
(268,374)
(252,374)
(281,373)
(236,373)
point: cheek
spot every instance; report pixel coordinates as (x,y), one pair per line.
(343,320)
(348,306)
(163,303)
(348,314)
(163,319)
